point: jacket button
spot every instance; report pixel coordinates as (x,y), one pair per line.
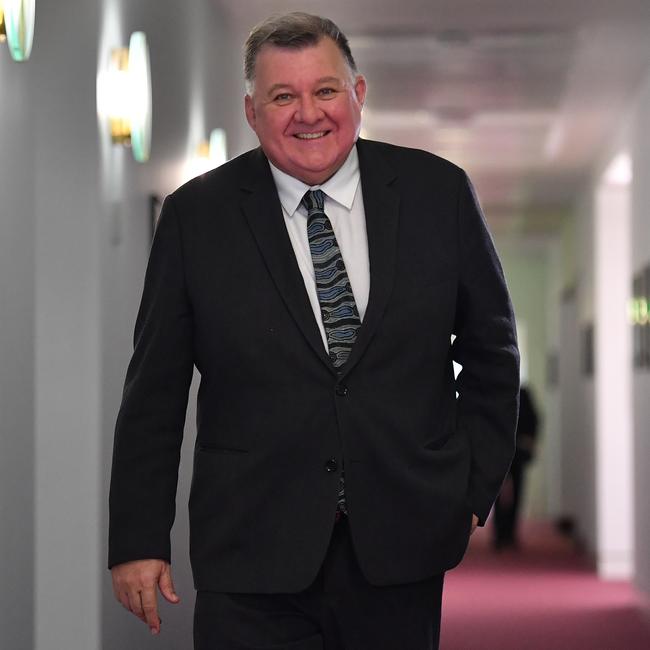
(331,465)
(341,390)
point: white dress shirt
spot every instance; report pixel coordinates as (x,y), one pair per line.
(344,208)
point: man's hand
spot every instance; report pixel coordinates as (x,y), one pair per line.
(134,585)
(474,523)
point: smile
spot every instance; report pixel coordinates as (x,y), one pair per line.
(311,136)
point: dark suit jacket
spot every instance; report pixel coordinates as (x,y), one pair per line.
(223,291)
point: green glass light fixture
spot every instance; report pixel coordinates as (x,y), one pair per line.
(140,89)
(17,27)
(218,151)
(124,96)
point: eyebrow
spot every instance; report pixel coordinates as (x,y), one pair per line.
(275,87)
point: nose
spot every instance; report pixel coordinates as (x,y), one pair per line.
(308,110)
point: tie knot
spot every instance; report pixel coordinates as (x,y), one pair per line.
(314,201)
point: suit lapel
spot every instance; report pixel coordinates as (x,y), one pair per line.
(381,206)
(263,211)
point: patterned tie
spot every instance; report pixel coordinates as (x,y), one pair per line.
(338,309)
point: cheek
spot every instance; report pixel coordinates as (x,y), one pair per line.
(275,127)
(347,118)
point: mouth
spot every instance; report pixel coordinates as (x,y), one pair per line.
(311,136)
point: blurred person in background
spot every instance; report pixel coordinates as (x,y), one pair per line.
(507,508)
(315,283)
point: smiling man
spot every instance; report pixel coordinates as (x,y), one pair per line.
(305,107)
(315,283)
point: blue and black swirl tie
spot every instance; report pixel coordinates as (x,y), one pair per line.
(338,309)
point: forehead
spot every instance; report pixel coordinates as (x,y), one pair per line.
(285,65)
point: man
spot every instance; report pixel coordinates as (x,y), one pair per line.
(315,283)
(508,504)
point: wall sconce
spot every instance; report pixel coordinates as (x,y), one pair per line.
(208,155)
(217,150)
(124,96)
(17,27)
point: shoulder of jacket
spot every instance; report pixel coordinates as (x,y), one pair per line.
(222,180)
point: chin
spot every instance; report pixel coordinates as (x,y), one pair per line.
(320,172)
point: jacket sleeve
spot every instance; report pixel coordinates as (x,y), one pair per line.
(149,429)
(486,348)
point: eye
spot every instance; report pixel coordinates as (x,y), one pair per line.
(282,98)
(326,92)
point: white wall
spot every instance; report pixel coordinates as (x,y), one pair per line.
(613,414)
(579,497)
(576,388)
(196,87)
(525,264)
(74,240)
(17,225)
(639,145)
(553,471)
(68,388)
(584,463)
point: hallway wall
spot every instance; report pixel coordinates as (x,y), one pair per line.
(639,143)
(579,455)
(572,475)
(17,395)
(581,461)
(74,240)
(68,389)
(525,264)
(196,88)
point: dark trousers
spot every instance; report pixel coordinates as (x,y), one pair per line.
(340,610)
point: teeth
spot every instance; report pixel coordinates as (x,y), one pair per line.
(310,136)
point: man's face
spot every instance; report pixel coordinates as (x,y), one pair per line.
(305,109)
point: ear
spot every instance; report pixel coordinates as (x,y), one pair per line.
(360,89)
(249,109)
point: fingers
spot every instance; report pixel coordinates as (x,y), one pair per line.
(150,610)
(166,585)
(143,605)
(135,586)
(124,600)
(135,605)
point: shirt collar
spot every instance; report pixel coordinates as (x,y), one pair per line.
(341,187)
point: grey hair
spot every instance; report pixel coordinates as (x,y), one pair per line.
(294,30)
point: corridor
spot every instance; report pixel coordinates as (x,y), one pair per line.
(553,599)
(109,106)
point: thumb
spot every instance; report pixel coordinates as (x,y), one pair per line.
(166,585)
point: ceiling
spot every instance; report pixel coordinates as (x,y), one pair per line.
(522,93)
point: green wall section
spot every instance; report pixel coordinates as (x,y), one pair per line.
(526,275)
(526,270)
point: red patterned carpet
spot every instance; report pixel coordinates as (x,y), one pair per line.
(542,597)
